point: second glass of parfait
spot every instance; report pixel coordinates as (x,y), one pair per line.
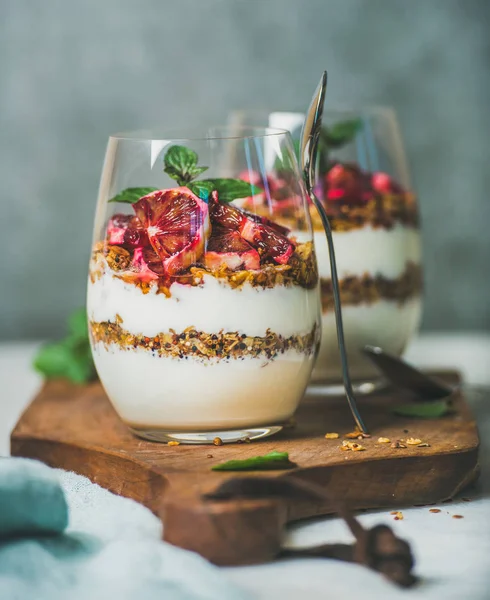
(364,185)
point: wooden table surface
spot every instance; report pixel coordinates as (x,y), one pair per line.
(452,554)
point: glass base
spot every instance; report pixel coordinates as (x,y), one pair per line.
(336,388)
(206,437)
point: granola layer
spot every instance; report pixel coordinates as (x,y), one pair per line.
(383,211)
(301,270)
(380,212)
(202,345)
(368,289)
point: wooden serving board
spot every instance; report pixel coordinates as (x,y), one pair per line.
(75,428)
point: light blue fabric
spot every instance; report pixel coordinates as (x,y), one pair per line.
(112,548)
(31,498)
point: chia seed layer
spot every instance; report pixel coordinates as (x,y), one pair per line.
(368,289)
(202,345)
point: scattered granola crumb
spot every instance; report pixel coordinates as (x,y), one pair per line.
(218,441)
(209,456)
(434,510)
(423,445)
(383,440)
(357,435)
(458,517)
(397,444)
(331,436)
(357,447)
(173,443)
(413,441)
(354,446)
(399,516)
(405,431)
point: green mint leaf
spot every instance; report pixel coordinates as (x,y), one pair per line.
(202,189)
(132,195)
(196,171)
(52,360)
(231,189)
(341,133)
(78,325)
(423,410)
(71,357)
(180,163)
(271,461)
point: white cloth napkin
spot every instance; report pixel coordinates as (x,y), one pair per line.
(112,548)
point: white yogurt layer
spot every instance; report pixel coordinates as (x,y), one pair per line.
(386,324)
(369,250)
(212,307)
(192,395)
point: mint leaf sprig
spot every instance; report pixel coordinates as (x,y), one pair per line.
(335,137)
(180,163)
(71,357)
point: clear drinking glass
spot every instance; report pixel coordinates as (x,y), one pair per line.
(364,184)
(204,317)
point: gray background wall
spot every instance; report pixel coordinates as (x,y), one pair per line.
(71,72)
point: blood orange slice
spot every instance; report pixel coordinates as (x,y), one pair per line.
(177,224)
(227,248)
(271,241)
(273,244)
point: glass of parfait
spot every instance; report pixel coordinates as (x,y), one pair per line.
(364,185)
(203,305)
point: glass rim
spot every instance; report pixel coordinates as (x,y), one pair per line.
(149,135)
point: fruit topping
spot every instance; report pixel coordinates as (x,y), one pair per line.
(225,215)
(269,239)
(177,224)
(141,266)
(347,183)
(272,244)
(116,228)
(227,248)
(384,184)
(126,230)
(265,221)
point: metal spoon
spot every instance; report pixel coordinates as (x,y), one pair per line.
(310,135)
(403,375)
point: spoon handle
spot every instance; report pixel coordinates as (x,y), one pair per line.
(338,316)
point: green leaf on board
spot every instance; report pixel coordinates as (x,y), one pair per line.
(202,189)
(180,163)
(231,189)
(271,461)
(132,195)
(423,410)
